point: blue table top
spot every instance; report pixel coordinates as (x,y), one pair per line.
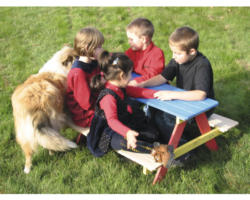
(185,110)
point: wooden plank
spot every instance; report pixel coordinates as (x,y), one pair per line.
(221,122)
(145,171)
(196,142)
(160,174)
(146,160)
(143,159)
(185,110)
(202,123)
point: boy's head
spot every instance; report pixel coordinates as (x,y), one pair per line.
(184,43)
(87,40)
(140,32)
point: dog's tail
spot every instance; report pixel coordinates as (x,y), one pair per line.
(48,137)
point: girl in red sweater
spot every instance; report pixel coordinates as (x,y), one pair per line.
(79,98)
(116,123)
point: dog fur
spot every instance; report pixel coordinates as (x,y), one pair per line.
(161,154)
(61,62)
(38,108)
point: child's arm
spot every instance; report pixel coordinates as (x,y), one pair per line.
(201,82)
(192,95)
(108,105)
(138,92)
(154,81)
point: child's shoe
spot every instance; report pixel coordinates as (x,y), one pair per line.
(180,162)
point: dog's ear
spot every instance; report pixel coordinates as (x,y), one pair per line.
(156,144)
(68,57)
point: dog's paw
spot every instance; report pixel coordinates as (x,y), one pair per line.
(26,170)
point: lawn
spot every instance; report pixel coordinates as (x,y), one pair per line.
(29,36)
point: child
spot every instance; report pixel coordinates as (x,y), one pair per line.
(79,99)
(115,122)
(193,73)
(148,59)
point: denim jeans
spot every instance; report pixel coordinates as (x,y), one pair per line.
(118,142)
(165,124)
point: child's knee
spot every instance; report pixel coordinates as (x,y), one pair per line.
(118,142)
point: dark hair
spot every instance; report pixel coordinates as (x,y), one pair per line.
(185,37)
(112,65)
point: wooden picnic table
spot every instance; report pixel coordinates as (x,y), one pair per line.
(183,110)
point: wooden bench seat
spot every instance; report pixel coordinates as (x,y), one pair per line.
(219,123)
(222,123)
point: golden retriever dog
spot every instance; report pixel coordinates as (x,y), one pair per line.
(38,108)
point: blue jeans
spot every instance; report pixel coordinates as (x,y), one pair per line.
(165,124)
(118,142)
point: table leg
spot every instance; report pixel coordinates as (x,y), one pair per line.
(174,140)
(177,133)
(204,127)
(160,174)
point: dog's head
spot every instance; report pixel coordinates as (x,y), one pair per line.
(61,61)
(67,56)
(160,153)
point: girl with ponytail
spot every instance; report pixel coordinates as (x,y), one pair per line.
(116,123)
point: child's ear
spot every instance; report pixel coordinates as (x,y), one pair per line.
(192,51)
(145,39)
(122,75)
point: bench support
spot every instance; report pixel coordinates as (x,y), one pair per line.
(160,174)
(196,142)
(177,133)
(145,171)
(204,127)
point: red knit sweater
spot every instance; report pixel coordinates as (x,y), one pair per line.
(109,105)
(80,101)
(148,62)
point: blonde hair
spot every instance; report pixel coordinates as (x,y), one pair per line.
(142,27)
(185,38)
(87,40)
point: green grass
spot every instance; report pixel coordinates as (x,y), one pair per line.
(29,36)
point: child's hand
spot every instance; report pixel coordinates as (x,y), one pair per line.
(131,139)
(133,83)
(141,84)
(164,95)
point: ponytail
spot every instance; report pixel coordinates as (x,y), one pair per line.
(104,59)
(96,83)
(112,65)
